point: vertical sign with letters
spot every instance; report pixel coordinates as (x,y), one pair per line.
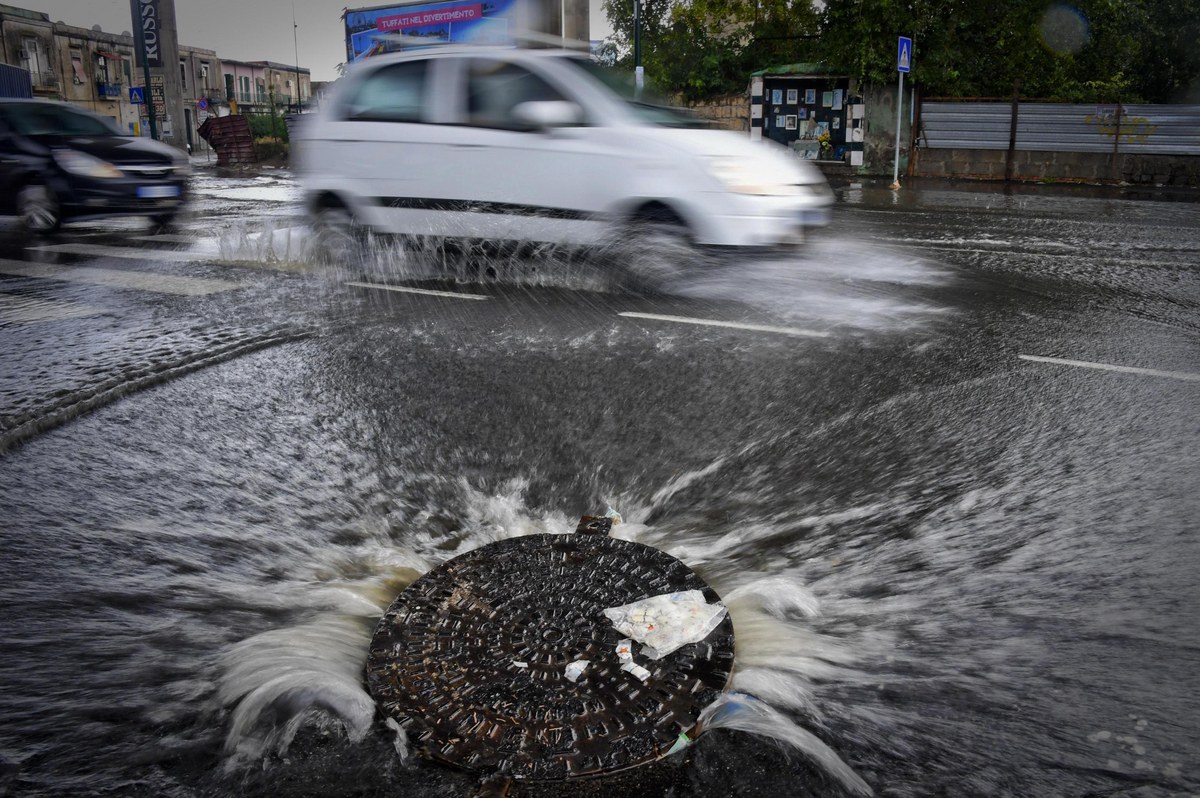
(147,25)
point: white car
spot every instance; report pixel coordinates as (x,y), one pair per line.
(509,144)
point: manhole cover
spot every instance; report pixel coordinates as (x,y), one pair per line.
(471,659)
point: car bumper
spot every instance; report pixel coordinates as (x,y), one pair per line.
(752,221)
(129,197)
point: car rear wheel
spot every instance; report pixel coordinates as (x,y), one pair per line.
(38,208)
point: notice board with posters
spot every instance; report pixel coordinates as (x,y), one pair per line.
(382,29)
(796,110)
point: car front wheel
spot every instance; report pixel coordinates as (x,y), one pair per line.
(38,208)
(654,254)
(338,238)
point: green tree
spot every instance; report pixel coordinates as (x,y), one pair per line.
(1095,50)
(708,47)
(1092,50)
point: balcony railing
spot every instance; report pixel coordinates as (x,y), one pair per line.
(47,78)
(109,91)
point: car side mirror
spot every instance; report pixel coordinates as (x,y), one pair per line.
(547,114)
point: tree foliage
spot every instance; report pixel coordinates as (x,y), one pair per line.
(707,47)
(1093,50)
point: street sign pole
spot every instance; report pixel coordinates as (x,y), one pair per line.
(903,64)
(899,112)
(638,73)
(150,104)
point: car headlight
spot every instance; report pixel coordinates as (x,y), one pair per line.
(747,176)
(84,165)
(183,167)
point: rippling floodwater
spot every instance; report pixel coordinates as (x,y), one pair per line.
(950,574)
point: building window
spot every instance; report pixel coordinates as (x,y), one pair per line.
(102,70)
(31,57)
(245,81)
(183,74)
(78,76)
(204,74)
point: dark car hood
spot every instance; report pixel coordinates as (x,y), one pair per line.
(116,149)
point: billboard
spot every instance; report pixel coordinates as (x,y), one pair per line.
(389,28)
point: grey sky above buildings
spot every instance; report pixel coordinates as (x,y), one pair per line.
(246,30)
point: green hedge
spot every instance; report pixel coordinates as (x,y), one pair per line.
(263,126)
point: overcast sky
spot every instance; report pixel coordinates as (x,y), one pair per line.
(246,30)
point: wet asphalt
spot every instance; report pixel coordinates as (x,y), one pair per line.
(958,433)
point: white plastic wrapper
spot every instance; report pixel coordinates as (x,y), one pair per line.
(575,669)
(665,623)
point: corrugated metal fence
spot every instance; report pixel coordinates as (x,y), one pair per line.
(15,82)
(1059,127)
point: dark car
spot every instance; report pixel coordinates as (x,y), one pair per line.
(59,162)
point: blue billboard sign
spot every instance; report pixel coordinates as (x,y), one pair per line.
(389,28)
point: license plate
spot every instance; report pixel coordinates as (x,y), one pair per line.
(157,192)
(815,218)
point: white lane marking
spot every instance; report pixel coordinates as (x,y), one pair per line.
(167,238)
(116,278)
(99,250)
(730,324)
(24,310)
(402,289)
(1174,375)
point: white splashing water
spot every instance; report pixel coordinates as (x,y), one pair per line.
(279,681)
(282,678)
(746,713)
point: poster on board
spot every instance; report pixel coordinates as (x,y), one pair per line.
(385,29)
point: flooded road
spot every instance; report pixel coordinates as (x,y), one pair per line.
(959,548)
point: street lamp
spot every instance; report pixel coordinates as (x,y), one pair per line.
(296,44)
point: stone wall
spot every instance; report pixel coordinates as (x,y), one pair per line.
(1084,167)
(731,112)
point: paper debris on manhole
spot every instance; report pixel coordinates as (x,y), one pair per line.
(575,669)
(667,622)
(625,655)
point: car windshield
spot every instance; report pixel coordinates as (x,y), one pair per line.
(648,107)
(35,119)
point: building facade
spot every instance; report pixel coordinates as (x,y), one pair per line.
(263,87)
(27,41)
(95,70)
(203,91)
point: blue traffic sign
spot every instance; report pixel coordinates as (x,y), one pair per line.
(137,95)
(904,54)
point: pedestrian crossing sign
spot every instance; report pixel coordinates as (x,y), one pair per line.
(904,54)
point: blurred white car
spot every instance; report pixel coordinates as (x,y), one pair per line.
(500,143)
